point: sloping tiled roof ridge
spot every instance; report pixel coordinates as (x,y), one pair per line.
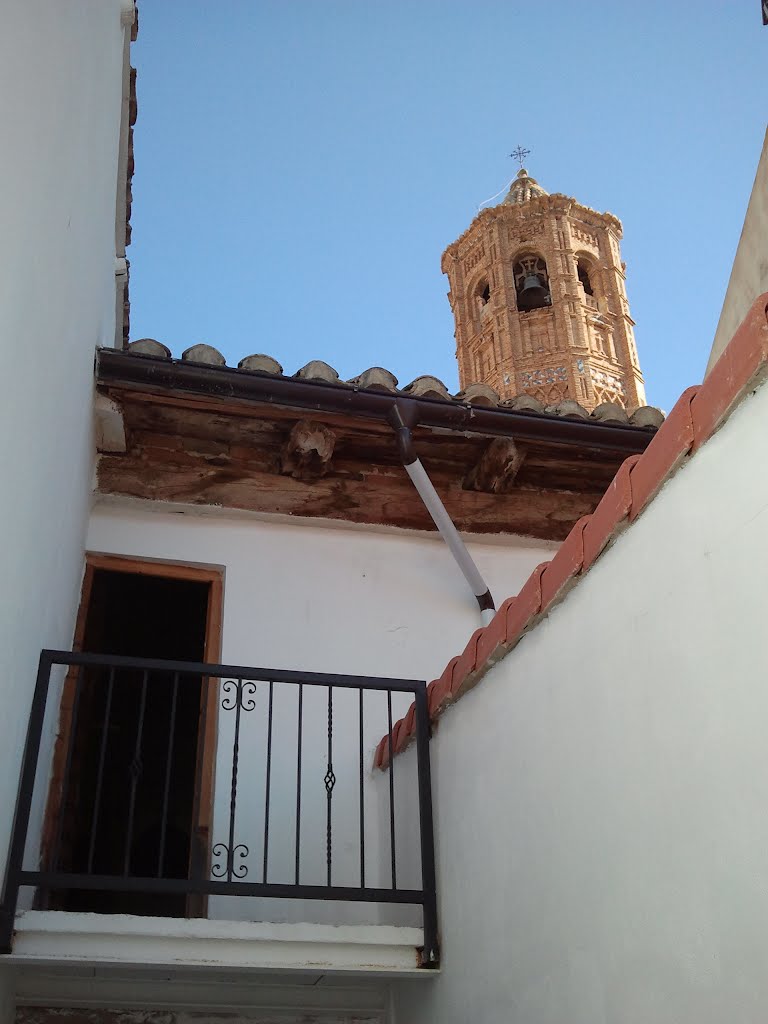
(378,379)
(699,412)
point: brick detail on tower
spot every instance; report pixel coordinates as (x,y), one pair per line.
(539,302)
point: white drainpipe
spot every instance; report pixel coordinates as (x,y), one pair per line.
(399,418)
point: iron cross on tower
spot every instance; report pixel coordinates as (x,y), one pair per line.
(520,154)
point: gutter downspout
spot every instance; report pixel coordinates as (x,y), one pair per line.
(403,417)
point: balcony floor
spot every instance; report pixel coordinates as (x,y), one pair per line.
(56,937)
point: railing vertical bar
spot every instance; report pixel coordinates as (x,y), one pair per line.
(431,957)
(167,786)
(199,853)
(391,791)
(330,781)
(298,782)
(362,799)
(233,788)
(136,770)
(20,827)
(268,783)
(56,854)
(100,772)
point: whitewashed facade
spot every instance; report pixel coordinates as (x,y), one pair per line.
(620,795)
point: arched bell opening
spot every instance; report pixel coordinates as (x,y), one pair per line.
(481,300)
(586,283)
(587,276)
(531,283)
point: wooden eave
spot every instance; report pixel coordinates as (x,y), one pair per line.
(215,436)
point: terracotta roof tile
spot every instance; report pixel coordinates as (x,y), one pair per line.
(612,509)
(493,638)
(464,669)
(443,692)
(664,454)
(567,564)
(741,366)
(697,415)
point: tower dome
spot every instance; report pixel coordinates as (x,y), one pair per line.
(523,188)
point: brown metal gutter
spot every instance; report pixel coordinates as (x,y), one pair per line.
(115,367)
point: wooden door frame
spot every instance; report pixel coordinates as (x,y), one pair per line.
(200,840)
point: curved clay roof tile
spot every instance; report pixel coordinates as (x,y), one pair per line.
(376,379)
(478,394)
(259,363)
(568,409)
(316,369)
(426,387)
(523,403)
(149,347)
(610,412)
(204,354)
(647,416)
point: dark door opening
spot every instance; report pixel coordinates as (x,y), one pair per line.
(132,782)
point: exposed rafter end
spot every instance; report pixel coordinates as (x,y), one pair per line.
(108,425)
(497,468)
(307,453)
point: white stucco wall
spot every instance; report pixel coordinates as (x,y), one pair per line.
(325,599)
(749,276)
(601,795)
(60,101)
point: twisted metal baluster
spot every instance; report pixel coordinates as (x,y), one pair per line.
(330,782)
(267,792)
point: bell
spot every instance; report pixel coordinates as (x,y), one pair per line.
(533,294)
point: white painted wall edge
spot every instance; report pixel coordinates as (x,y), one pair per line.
(56,936)
(144,505)
(181,991)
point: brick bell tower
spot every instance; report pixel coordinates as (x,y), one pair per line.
(538,296)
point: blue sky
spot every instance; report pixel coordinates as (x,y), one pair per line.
(301,165)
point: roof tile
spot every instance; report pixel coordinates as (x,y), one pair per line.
(204,354)
(610,412)
(463,672)
(377,378)
(664,454)
(260,363)
(149,347)
(493,641)
(736,371)
(565,566)
(478,394)
(443,692)
(316,369)
(647,416)
(524,609)
(426,387)
(569,409)
(612,509)
(523,403)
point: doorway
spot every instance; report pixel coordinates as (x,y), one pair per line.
(132,784)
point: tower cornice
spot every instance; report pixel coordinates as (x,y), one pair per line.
(557,203)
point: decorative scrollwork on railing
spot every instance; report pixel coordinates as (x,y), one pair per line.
(227,866)
(239,693)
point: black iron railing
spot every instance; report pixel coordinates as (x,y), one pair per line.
(124,783)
